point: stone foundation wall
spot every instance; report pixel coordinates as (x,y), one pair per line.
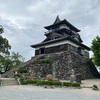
(61,64)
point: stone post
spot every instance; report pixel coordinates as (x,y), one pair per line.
(78,78)
(72,76)
(0,80)
(54,71)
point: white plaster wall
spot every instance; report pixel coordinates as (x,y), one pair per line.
(58,43)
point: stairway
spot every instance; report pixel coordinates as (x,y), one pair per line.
(8,81)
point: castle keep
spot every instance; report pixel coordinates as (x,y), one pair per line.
(61,36)
(61,51)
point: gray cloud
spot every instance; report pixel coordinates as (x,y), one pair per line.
(23,21)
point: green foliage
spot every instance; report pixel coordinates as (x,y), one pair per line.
(66,84)
(58,83)
(22,71)
(27,80)
(4,50)
(8,61)
(75,84)
(96,50)
(33,81)
(1,29)
(4,46)
(72,84)
(16,59)
(43,60)
(95,86)
(44,82)
(24,81)
(50,83)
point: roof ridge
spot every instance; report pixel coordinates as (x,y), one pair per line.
(57,20)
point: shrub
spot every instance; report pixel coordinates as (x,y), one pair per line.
(33,81)
(50,82)
(39,82)
(57,83)
(66,84)
(22,71)
(95,86)
(75,84)
(44,60)
(23,81)
(44,82)
(71,84)
(27,80)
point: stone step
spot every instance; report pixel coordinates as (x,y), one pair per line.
(8,81)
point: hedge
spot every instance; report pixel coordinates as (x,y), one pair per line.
(47,82)
(66,84)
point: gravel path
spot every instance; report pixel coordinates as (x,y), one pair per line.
(39,93)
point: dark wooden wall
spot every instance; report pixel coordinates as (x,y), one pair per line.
(53,49)
(61,48)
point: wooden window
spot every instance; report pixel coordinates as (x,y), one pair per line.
(42,50)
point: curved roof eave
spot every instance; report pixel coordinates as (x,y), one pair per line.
(60,39)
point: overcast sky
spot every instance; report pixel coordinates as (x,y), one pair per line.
(24,20)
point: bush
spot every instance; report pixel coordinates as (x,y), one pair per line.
(39,82)
(27,80)
(44,60)
(95,86)
(57,83)
(33,81)
(50,82)
(23,81)
(22,71)
(66,84)
(44,82)
(71,84)
(75,84)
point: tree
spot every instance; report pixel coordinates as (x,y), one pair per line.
(4,44)
(16,59)
(13,60)
(8,61)
(1,29)
(4,48)
(96,50)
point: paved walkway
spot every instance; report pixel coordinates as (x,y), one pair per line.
(91,82)
(29,92)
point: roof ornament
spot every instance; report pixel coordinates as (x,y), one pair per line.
(57,20)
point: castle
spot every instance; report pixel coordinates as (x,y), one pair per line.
(65,50)
(61,36)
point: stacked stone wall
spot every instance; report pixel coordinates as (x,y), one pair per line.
(61,64)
